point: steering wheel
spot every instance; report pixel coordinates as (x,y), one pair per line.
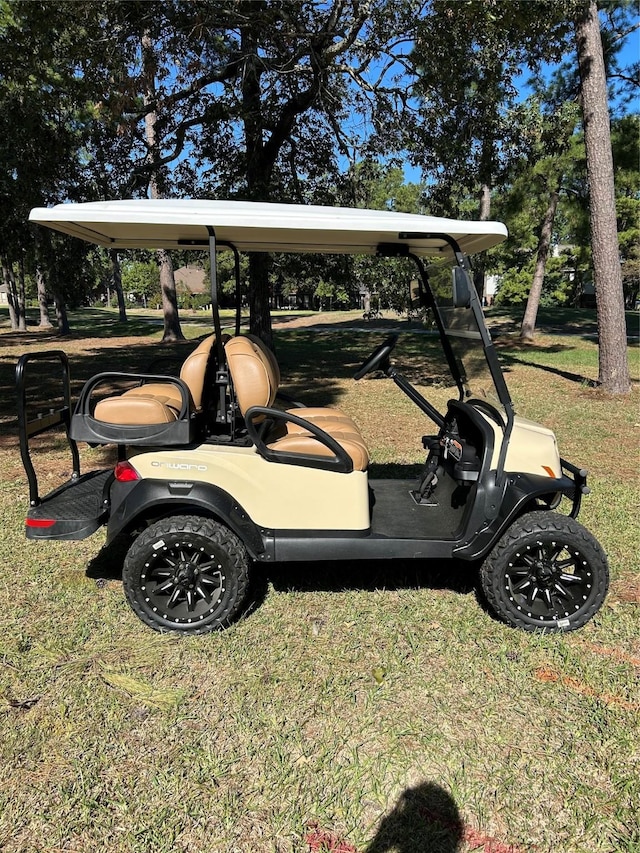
(377,357)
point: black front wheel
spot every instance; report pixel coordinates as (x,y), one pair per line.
(547,573)
(186,574)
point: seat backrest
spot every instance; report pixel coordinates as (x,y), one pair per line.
(194,369)
(269,359)
(251,372)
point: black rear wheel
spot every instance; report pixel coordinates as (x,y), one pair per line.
(186,574)
(546,573)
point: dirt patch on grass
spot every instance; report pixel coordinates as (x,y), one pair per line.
(628,589)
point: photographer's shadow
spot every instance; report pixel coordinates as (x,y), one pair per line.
(424,820)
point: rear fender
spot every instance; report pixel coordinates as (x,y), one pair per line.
(133,504)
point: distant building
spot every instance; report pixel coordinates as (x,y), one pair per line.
(190,280)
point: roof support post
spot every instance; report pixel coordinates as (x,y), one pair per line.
(238,285)
(215,307)
(222,374)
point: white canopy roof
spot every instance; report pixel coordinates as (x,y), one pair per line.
(261,227)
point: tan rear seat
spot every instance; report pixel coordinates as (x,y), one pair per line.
(159,402)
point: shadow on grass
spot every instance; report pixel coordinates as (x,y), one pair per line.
(511,360)
(107,563)
(366,575)
(87,323)
(556,320)
(515,345)
(424,820)
(322,576)
(306,356)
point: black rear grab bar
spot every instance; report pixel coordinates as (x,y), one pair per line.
(45,420)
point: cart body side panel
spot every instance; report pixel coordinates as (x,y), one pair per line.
(275,496)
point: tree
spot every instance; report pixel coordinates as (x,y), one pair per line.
(550,164)
(468,58)
(149,87)
(142,278)
(269,99)
(625,143)
(468,141)
(172,331)
(613,363)
(303,75)
(370,184)
(43,126)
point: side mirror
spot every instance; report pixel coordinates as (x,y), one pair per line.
(461,288)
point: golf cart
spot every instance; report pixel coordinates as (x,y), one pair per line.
(215,473)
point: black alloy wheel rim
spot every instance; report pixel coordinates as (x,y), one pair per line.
(183,582)
(548,580)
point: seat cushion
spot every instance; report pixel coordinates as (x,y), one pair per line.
(250,374)
(268,358)
(135,410)
(195,367)
(326,418)
(308,444)
(165,392)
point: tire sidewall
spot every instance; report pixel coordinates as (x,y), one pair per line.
(531,529)
(217,540)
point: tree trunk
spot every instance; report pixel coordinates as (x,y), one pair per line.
(172,329)
(21,299)
(258,171)
(485,203)
(10,283)
(117,284)
(479,261)
(527,330)
(41,279)
(259,312)
(45,321)
(61,313)
(612,333)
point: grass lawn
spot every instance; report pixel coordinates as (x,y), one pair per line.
(357,708)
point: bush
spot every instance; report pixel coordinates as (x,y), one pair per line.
(557,287)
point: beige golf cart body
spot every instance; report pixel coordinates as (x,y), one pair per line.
(340,501)
(293,483)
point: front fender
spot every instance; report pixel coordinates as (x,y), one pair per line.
(521,489)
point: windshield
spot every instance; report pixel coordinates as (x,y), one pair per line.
(468,338)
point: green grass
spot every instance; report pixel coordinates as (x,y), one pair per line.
(561,319)
(378,704)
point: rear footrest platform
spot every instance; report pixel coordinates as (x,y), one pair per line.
(74,511)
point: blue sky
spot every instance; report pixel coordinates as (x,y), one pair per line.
(628,55)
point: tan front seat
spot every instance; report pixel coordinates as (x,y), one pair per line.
(318,415)
(159,402)
(254,376)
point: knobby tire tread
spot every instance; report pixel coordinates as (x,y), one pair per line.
(531,524)
(233,547)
